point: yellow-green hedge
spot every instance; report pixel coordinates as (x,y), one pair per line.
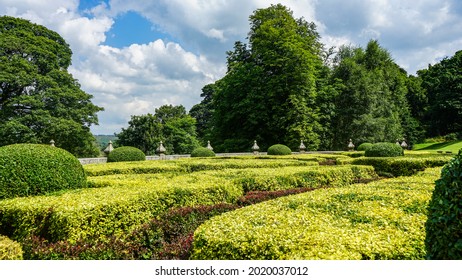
(9,249)
(100,212)
(380,220)
(190,165)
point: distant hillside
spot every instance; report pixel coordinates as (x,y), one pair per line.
(103,140)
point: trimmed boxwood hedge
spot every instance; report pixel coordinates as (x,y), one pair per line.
(34,169)
(384,149)
(364,146)
(202,152)
(126,153)
(9,249)
(279,149)
(444,224)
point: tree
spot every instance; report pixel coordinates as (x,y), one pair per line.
(203,113)
(269,91)
(39,99)
(371,105)
(170,124)
(443,85)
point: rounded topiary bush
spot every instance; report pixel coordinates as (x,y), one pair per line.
(364,146)
(126,153)
(444,224)
(279,149)
(384,150)
(33,169)
(202,152)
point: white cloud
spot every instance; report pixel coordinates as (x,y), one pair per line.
(136,79)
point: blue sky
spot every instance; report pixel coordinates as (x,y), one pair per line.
(134,56)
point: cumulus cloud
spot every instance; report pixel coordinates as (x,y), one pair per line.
(135,79)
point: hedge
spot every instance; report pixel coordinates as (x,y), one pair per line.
(202,152)
(33,169)
(126,153)
(381,220)
(403,166)
(100,212)
(444,224)
(384,149)
(279,149)
(189,165)
(9,249)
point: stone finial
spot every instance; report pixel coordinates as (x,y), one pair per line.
(302,147)
(161,150)
(209,146)
(255,147)
(403,144)
(397,142)
(52,143)
(109,148)
(351,146)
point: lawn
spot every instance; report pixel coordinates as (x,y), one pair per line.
(450,146)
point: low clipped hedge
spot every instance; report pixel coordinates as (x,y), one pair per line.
(279,149)
(381,220)
(384,149)
(444,225)
(402,166)
(116,207)
(9,249)
(126,153)
(202,152)
(364,146)
(33,169)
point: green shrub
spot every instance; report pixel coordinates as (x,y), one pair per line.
(380,220)
(444,224)
(33,169)
(9,249)
(402,166)
(364,146)
(279,150)
(202,152)
(126,153)
(384,150)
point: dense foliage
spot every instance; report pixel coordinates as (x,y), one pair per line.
(202,152)
(34,169)
(170,124)
(269,91)
(364,146)
(381,220)
(279,149)
(384,149)
(444,224)
(39,99)
(9,249)
(126,153)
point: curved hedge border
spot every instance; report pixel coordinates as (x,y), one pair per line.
(33,169)
(9,249)
(354,222)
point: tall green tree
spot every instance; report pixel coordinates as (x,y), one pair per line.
(443,85)
(371,105)
(203,113)
(170,124)
(39,99)
(269,91)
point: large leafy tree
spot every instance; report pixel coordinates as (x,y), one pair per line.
(39,99)
(170,124)
(443,85)
(269,91)
(371,105)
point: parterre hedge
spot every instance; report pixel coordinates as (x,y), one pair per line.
(381,220)
(402,166)
(34,169)
(9,249)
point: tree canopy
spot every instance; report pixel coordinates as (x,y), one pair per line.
(39,100)
(170,124)
(269,91)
